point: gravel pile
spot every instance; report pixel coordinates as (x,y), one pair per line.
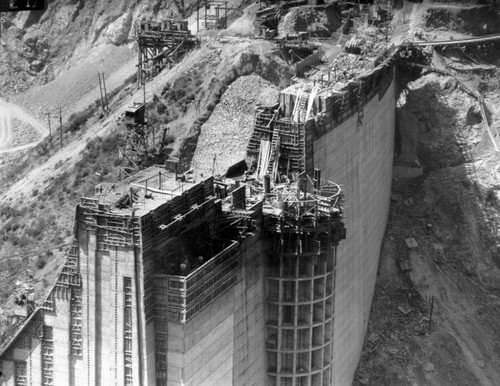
(226,133)
(317,22)
(22,133)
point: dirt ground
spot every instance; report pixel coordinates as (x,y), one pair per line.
(436,310)
(440,253)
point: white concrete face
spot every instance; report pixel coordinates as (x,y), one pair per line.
(224,343)
(359,158)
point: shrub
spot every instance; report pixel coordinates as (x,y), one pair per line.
(41,262)
(169,138)
(77,120)
(161,108)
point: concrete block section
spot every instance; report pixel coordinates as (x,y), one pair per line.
(363,166)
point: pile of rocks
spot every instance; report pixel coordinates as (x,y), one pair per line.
(22,133)
(224,136)
(316,21)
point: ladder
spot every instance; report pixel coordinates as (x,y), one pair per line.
(275,154)
(300,107)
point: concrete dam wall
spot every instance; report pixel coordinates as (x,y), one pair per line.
(343,133)
(280,296)
(358,155)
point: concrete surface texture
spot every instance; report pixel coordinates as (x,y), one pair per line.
(358,156)
(224,343)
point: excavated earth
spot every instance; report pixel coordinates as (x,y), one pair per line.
(316,21)
(436,313)
(224,137)
(435,317)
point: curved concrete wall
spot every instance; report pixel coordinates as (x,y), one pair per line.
(358,155)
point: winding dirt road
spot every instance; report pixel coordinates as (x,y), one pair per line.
(8,111)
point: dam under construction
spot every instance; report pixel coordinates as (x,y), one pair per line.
(263,274)
(253,281)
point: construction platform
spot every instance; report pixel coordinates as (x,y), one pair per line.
(162,44)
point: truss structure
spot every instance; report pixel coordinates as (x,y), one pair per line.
(161,45)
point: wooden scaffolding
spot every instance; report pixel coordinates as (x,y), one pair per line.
(161,45)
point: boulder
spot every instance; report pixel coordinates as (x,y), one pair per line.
(117,32)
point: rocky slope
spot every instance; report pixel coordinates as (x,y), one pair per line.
(436,311)
(37,46)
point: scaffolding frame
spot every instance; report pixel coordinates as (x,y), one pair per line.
(20,373)
(287,143)
(48,356)
(300,279)
(127,332)
(76,326)
(112,229)
(161,45)
(213,21)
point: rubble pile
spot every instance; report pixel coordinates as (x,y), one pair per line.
(224,137)
(438,279)
(316,21)
(22,133)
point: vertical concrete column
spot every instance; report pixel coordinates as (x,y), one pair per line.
(304,299)
(358,155)
(135,256)
(105,322)
(87,242)
(60,323)
(36,361)
(8,369)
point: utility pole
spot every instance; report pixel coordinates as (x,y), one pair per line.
(100,89)
(50,129)
(105,92)
(60,125)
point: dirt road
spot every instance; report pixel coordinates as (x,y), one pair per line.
(9,111)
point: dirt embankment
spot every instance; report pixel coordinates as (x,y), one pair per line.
(49,61)
(475,21)
(436,312)
(317,21)
(38,46)
(224,137)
